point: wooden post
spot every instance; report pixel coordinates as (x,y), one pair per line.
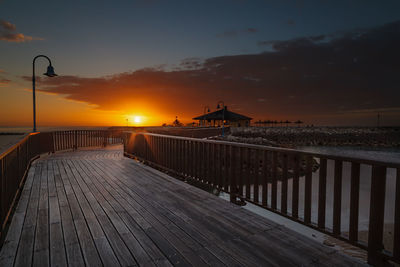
(308,190)
(284,183)
(322,193)
(274,189)
(376,215)
(295,191)
(396,241)
(337,197)
(354,199)
(233,174)
(248,173)
(266,175)
(2,195)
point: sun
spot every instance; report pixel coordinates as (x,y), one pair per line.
(137,119)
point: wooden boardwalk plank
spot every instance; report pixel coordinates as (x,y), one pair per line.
(9,250)
(71,243)
(25,248)
(57,249)
(102,244)
(89,251)
(97,208)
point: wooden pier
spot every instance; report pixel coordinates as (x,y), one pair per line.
(94,207)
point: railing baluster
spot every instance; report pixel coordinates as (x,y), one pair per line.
(248,173)
(274,193)
(396,239)
(354,199)
(241,172)
(322,193)
(227,167)
(337,197)
(284,187)
(256,175)
(232,174)
(219,167)
(307,190)
(265,178)
(376,215)
(295,191)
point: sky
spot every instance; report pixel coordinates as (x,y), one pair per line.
(323,62)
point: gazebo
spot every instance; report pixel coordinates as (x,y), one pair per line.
(231,118)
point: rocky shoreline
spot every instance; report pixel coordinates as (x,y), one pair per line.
(316,136)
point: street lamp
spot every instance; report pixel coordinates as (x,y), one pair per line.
(223,115)
(206,110)
(50,73)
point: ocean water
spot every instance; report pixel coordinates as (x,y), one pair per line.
(24,129)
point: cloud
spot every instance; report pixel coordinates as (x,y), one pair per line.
(319,71)
(4,81)
(7,25)
(234,33)
(8,33)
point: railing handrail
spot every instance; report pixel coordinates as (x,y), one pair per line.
(14,146)
(278,149)
(259,174)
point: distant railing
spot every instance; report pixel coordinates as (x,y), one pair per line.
(263,176)
(15,162)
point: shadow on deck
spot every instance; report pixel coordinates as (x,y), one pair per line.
(96,207)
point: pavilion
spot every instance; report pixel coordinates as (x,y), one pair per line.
(231,118)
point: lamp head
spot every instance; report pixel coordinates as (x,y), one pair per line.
(50,71)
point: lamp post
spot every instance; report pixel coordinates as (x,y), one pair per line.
(223,115)
(50,73)
(206,110)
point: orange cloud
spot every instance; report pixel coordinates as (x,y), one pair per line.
(8,33)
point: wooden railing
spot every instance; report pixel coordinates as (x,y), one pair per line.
(15,162)
(263,176)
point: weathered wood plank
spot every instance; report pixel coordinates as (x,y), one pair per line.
(57,249)
(89,251)
(9,250)
(42,247)
(103,209)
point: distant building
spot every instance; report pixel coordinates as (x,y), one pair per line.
(231,119)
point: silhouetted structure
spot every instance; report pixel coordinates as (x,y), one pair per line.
(231,118)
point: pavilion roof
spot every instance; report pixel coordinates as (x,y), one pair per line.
(218,115)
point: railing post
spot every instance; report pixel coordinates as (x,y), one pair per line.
(376,215)
(337,197)
(396,241)
(2,195)
(308,190)
(233,174)
(354,201)
(295,191)
(322,193)
(76,139)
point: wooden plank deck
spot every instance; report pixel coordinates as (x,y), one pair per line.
(96,207)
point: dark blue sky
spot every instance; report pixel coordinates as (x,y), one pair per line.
(94,38)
